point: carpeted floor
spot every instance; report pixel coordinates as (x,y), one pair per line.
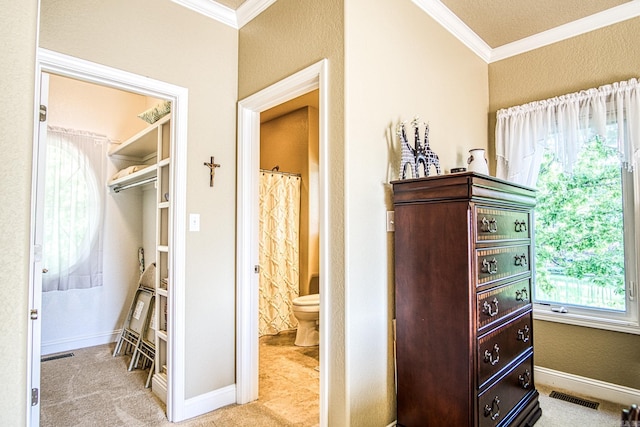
(92,388)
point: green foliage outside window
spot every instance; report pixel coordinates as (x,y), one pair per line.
(579,223)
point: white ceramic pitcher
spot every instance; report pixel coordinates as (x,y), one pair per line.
(477,162)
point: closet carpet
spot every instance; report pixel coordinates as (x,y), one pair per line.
(92,388)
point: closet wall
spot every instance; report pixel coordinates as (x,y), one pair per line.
(290,141)
(85,317)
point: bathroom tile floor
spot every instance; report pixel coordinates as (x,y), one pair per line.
(289,382)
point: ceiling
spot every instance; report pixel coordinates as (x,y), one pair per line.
(501,22)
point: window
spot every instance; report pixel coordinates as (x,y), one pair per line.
(585,263)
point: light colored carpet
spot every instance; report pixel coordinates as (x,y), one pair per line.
(92,388)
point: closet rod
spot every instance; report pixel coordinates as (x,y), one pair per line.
(134,184)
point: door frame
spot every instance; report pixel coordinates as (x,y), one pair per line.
(56,63)
(249,109)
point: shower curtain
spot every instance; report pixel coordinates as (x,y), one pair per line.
(279,251)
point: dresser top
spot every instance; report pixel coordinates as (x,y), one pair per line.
(458,186)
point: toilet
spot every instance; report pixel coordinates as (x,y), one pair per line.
(307,310)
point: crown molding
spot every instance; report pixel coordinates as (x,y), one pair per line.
(250,9)
(581,26)
(455,26)
(236,19)
(212,10)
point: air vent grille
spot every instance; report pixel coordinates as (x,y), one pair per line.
(56,356)
(573,399)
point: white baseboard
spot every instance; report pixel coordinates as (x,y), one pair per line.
(597,389)
(209,401)
(74,343)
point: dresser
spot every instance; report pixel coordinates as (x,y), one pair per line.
(464,327)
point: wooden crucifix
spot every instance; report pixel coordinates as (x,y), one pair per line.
(212,166)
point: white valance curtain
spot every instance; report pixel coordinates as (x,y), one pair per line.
(73,210)
(570,120)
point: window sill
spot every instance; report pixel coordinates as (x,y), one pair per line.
(586,321)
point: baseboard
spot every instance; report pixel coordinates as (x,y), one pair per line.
(209,401)
(597,389)
(75,343)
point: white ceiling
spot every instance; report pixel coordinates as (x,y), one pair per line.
(493,29)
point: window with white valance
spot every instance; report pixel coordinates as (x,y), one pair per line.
(580,151)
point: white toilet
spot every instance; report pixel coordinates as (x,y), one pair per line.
(307,311)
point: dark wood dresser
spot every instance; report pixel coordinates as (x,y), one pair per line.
(463,272)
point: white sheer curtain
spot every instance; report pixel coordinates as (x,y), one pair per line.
(73,210)
(279,248)
(570,120)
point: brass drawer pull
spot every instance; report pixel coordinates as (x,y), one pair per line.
(489,225)
(490,267)
(523,334)
(486,308)
(522,294)
(525,379)
(494,410)
(521,260)
(489,355)
(521,226)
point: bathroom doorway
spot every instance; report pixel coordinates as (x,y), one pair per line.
(289,259)
(311,79)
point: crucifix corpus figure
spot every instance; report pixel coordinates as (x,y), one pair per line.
(212,166)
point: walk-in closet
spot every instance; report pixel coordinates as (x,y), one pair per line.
(107,220)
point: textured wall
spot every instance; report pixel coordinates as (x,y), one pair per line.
(17,68)
(173,44)
(287,37)
(600,57)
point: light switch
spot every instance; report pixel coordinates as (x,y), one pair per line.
(194,222)
(391,225)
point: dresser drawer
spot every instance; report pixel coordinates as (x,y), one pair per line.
(500,347)
(502,262)
(496,402)
(501,224)
(496,303)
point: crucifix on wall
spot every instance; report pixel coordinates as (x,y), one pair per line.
(212,166)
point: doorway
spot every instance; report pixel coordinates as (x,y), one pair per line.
(74,68)
(312,78)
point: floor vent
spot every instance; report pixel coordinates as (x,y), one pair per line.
(573,399)
(54,357)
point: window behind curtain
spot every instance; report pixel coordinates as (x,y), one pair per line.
(580,222)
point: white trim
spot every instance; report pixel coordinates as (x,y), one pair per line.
(438,11)
(586,386)
(590,23)
(542,312)
(312,77)
(57,346)
(211,9)
(211,401)
(57,63)
(233,18)
(250,9)
(455,26)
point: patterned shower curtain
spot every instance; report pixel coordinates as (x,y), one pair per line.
(279,251)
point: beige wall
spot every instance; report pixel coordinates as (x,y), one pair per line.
(17,68)
(414,68)
(170,43)
(600,57)
(287,37)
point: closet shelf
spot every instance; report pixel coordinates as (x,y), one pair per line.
(143,144)
(140,177)
(162,292)
(162,335)
(163,205)
(164,162)
(163,248)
